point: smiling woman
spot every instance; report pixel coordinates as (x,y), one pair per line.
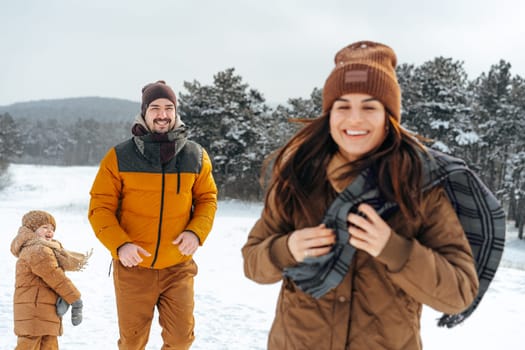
(357,124)
(357,222)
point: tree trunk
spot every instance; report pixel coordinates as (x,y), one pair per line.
(520,217)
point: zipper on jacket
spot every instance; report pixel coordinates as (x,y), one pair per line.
(178,180)
(176,166)
(160,218)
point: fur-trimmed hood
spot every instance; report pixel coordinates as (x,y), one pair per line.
(21,240)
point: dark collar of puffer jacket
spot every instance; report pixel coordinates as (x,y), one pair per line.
(158,147)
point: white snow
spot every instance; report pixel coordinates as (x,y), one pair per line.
(436,124)
(440,146)
(231,311)
(465,138)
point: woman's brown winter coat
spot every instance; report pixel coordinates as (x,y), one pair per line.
(378,304)
(39,282)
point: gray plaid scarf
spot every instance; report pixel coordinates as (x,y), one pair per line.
(479,212)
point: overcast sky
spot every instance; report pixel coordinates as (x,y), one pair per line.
(283,48)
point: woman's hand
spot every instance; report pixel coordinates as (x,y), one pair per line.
(311,242)
(369,232)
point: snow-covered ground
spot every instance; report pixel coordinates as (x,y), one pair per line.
(231,311)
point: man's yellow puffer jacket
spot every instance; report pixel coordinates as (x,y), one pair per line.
(136,199)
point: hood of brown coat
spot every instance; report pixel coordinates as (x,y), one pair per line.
(23,236)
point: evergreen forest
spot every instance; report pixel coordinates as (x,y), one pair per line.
(480,120)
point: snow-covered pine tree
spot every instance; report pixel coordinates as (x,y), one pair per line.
(515,178)
(10,142)
(225,118)
(10,145)
(493,116)
(296,108)
(435,104)
(43,140)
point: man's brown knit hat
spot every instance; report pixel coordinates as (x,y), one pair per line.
(365,67)
(153,91)
(36,218)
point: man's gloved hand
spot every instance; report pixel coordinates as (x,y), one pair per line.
(76,312)
(62,307)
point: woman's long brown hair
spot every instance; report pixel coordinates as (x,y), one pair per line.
(300,168)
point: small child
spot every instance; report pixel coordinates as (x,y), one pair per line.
(43,292)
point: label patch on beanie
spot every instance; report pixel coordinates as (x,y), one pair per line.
(356,76)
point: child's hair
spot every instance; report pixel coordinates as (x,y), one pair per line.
(36,218)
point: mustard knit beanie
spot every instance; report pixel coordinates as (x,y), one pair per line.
(365,67)
(36,218)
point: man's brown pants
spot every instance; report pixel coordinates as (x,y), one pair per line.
(139,290)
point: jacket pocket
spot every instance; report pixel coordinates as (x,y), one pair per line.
(300,321)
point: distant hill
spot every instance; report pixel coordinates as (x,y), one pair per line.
(71,109)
